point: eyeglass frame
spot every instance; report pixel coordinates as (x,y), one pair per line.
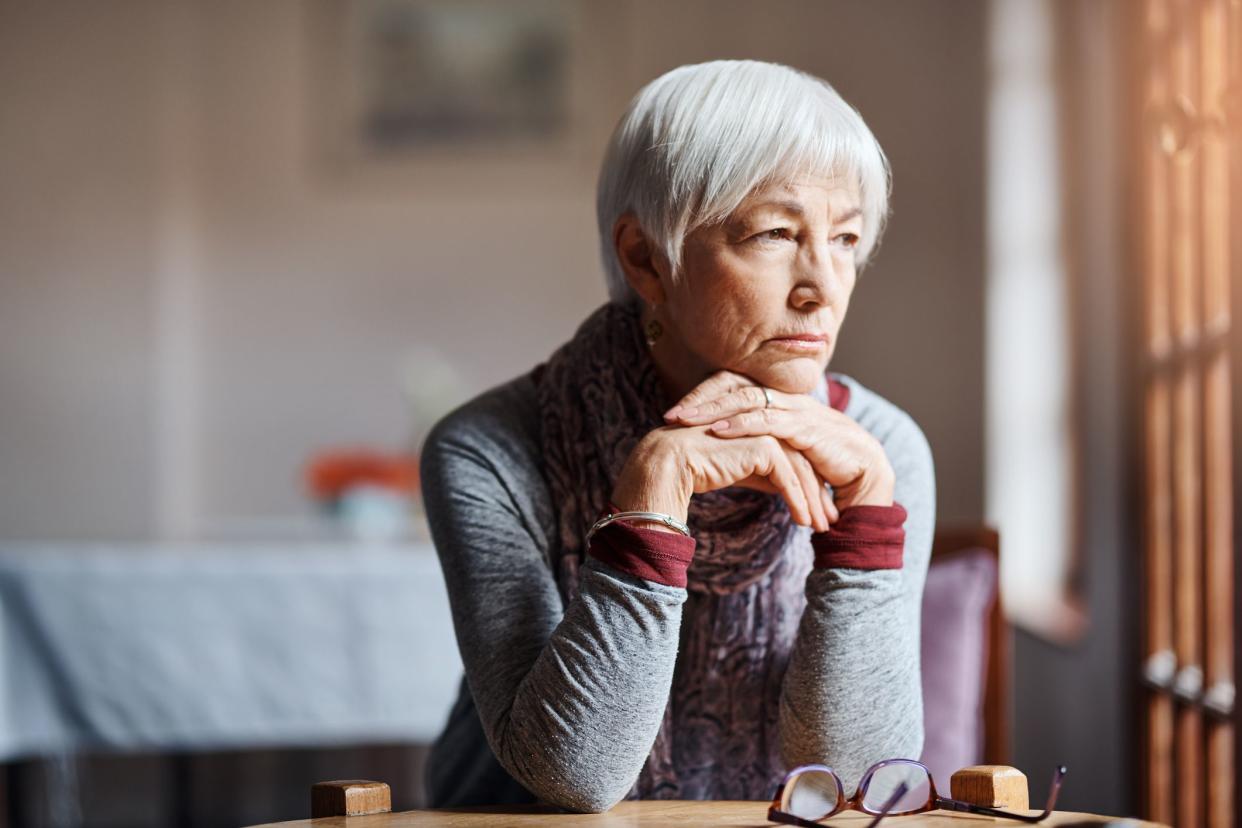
(934,800)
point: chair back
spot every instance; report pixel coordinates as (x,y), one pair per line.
(965,654)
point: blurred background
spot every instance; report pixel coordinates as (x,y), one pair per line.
(250,251)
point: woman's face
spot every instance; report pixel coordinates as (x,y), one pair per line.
(781,266)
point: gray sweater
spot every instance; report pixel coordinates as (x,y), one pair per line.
(562,704)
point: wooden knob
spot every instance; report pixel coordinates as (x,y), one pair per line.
(349,797)
(992,786)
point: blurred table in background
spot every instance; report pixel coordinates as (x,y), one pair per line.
(221,646)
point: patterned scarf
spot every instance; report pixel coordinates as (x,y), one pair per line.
(599,394)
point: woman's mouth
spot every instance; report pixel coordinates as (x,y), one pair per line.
(803,343)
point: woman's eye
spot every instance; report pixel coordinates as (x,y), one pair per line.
(775,234)
(848,240)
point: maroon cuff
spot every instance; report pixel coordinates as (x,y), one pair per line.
(649,554)
(865,537)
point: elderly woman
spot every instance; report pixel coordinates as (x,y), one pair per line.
(682,557)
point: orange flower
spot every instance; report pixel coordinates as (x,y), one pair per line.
(330,473)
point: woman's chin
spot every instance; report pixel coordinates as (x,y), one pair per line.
(795,376)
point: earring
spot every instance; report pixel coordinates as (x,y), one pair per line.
(654,330)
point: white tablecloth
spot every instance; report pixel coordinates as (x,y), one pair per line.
(221,646)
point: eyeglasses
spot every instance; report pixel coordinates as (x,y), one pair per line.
(895,786)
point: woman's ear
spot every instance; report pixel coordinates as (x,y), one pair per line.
(646,269)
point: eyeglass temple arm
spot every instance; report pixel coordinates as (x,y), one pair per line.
(888,806)
(775,814)
(958,805)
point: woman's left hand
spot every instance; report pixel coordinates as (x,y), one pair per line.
(843,453)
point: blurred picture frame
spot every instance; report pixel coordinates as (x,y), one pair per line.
(455,91)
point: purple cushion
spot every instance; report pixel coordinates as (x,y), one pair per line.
(956,604)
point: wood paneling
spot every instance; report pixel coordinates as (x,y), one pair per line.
(1189,75)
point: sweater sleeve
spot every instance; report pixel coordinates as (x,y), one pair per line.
(852,694)
(569,698)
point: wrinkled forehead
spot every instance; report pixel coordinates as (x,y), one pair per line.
(841,193)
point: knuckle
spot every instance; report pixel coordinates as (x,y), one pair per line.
(770,445)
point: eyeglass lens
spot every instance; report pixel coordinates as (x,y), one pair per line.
(812,795)
(885,780)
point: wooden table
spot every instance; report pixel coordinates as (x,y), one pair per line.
(669,813)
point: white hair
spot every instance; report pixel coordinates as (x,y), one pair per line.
(696,141)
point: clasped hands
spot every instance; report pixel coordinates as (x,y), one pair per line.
(723,433)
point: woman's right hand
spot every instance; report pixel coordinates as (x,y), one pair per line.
(672,463)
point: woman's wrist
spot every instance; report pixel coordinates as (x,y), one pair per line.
(875,489)
(876,485)
(652,481)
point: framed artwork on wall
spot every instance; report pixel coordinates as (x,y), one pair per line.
(429,89)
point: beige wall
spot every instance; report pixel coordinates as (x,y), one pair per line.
(191,303)
(77,198)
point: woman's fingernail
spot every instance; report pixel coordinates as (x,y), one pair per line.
(687,412)
(671,414)
(720,425)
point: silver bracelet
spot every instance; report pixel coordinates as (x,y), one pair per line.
(656,517)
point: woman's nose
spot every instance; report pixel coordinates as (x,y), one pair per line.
(819,279)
